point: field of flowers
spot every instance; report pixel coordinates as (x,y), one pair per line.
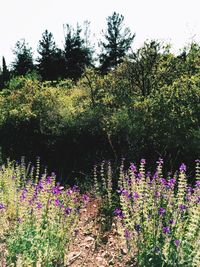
(37,216)
(157,216)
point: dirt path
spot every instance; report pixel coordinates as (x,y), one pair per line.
(93,248)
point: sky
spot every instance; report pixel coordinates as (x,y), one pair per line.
(171,21)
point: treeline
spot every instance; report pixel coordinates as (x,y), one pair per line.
(135,104)
(78,53)
(146,107)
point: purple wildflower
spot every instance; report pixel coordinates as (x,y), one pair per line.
(133,168)
(157,194)
(49,180)
(39,205)
(118,212)
(163,181)
(161,211)
(69,192)
(166,230)
(171,221)
(56,190)
(85,198)
(23,195)
(67,211)
(57,202)
(2,206)
(155,176)
(75,188)
(39,186)
(182,207)
(160,161)
(197,160)
(127,234)
(177,242)
(182,168)
(197,184)
(143,161)
(172,182)
(135,195)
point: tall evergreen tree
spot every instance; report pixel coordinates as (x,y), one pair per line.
(5,74)
(77,55)
(23,63)
(117,42)
(51,61)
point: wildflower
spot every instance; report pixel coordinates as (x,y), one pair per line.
(160,161)
(171,221)
(166,230)
(189,190)
(56,190)
(85,198)
(182,168)
(48,180)
(161,211)
(127,234)
(182,207)
(39,186)
(125,193)
(69,192)
(197,160)
(67,211)
(163,181)
(172,182)
(2,206)
(143,161)
(197,184)
(155,175)
(133,168)
(118,213)
(177,242)
(39,205)
(75,188)
(57,202)
(23,195)
(157,194)
(135,195)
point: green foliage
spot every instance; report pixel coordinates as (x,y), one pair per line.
(23,63)
(51,63)
(77,55)
(117,43)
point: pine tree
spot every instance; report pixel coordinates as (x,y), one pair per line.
(51,61)
(5,74)
(117,42)
(77,55)
(23,63)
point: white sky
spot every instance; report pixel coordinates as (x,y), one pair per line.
(174,21)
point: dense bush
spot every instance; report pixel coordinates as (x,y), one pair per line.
(107,116)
